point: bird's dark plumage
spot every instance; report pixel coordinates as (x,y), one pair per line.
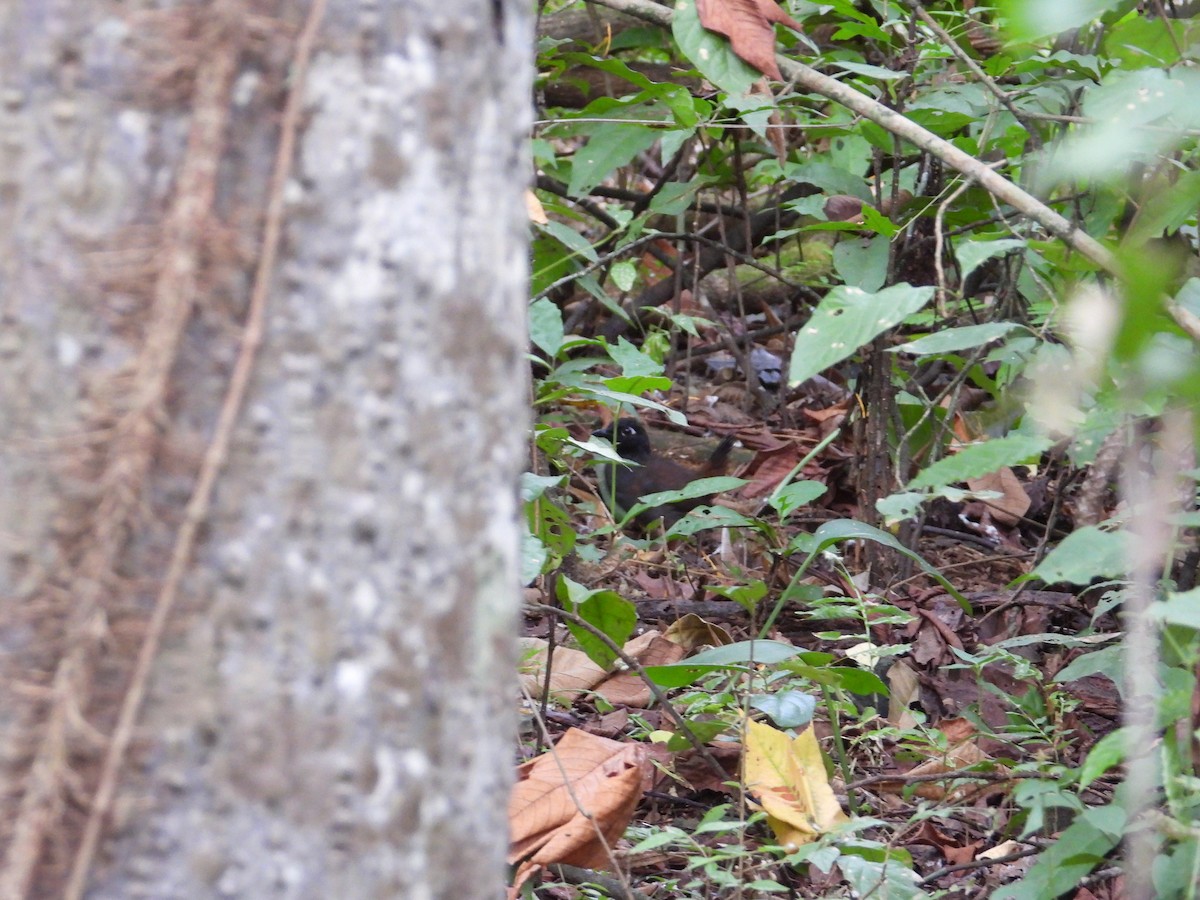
(652,473)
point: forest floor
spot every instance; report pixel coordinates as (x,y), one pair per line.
(957,773)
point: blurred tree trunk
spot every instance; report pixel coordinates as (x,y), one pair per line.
(327,713)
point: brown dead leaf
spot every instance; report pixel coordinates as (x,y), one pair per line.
(628,688)
(1013,502)
(572,673)
(767,469)
(904,687)
(571,804)
(748,25)
(691,632)
(843,208)
(533,208)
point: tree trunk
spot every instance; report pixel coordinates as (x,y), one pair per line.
(258,514)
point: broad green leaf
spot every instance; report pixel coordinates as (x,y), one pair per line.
(605,150)
(732,656)
(839,530)
(632,360)
(788,709)
(607,611)
(1085,554)
(952,340)
(571,239)
(710,53)
(796,495)
(748,652)
(1029,19)
(1106,661)
(1166,210)
(1107,752)
(623,274)
(677,196)
(880,879)
(900,506)
(533,556)
(879,73)
(546,326)
(862,262)
(972,254)
(1180,608)
(1120,108)
(701,487)
(981,459)
(707,517)
(1079,849)
(847,319)
(534,486)
(638,384)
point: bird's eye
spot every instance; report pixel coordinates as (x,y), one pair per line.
(628,431)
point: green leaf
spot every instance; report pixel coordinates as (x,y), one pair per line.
(977,460)
(731,656)
(638,384)
(1166,210)
(900,506)
(1078,850)
(534,486)
(1106,661)
(571,239)
(1085,554)
(1180,608)
(796,495)
(546,326)
(1120,108)
(1107,752)
(839,530)
(951,340)
(533,556)
(606,611)
(707,517)
(710,53)
(972,254)
(623,275)
(1028,19)
(701,487)
(862,262)
(847,319)
(788,709)
(606,150)
(632,360)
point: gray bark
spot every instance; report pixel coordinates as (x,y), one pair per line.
(329,715)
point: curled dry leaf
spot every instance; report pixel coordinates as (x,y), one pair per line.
(748,25)
(572,804)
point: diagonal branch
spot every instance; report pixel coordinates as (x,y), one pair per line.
(810,79)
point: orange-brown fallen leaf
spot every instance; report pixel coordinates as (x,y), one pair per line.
(787,778)
(572,804)
(748,25)
(1013,501)
(628,688)
(691,632)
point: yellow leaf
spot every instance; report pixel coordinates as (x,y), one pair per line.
(786,775)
